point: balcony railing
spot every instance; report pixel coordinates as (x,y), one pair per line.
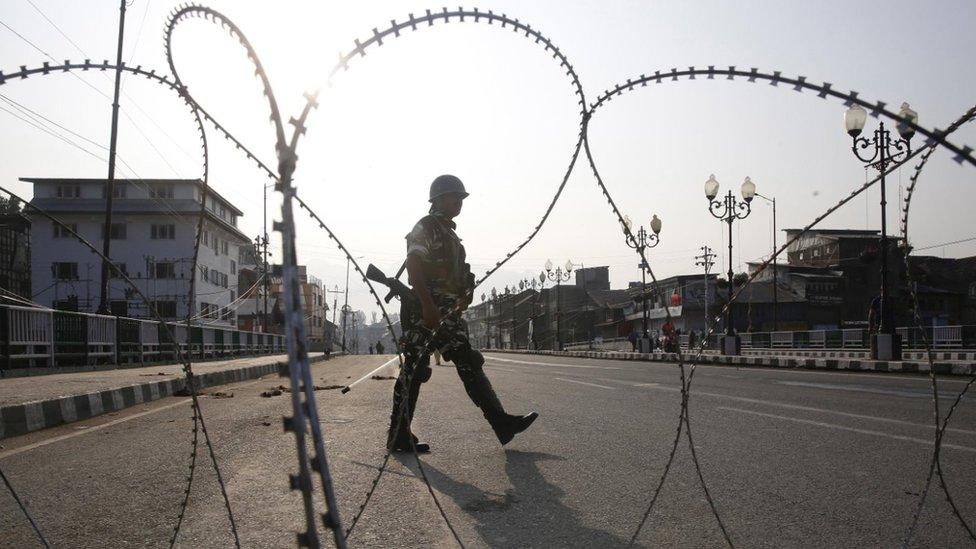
(36,337)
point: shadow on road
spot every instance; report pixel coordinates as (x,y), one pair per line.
(531,513)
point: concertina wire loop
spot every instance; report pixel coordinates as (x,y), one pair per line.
(287,159)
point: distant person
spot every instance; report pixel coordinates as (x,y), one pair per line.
(437,357)
(379,347)
(370,348)
(632,338)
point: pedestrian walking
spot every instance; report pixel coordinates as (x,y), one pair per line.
(380,347)
(443,284)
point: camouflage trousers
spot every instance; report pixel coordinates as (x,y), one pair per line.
(453,343)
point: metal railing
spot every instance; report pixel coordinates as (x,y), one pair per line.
(35,337)
(939,337)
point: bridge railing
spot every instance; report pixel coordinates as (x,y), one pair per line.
(36,337)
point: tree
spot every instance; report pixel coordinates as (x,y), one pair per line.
(10,206)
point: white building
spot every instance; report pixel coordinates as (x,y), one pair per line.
(154,223)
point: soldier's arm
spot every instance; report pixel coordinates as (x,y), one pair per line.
(415,275)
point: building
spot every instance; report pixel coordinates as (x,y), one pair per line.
(251,312)
(15,258)
(593,278)
(154,224)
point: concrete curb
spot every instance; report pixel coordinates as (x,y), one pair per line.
(20,419)
(942,368)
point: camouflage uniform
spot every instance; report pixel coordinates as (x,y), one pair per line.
(448,278)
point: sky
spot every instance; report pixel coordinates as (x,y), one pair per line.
(495,109)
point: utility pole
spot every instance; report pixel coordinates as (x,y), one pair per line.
(335,305)
(775,265)
(110,185)
(705,260)
(264,253)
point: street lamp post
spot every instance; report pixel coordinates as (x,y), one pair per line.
(557,276)
(641,242)
(498,320)
(775,265)
(487,327)
(886,344)
(729,209)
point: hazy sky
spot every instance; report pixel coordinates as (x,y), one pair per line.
(495,109)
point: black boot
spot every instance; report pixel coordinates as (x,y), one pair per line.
(506,426)
(403,446)
(400,419)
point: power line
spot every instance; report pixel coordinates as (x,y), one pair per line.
(970,239)
(33,45)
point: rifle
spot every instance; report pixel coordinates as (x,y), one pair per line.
(408,300)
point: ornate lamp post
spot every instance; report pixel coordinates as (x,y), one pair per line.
(487,325)
(558,276)
(729,209)
(879,151)
(498,320)
(643,241)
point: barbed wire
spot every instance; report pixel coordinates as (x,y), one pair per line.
(305,413)
(935,463)
(936,137)
(287,158)
(23,509)
(198,419)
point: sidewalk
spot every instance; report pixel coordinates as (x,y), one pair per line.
(904,366)
(32,403)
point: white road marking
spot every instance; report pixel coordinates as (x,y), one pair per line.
(52,440)
(557,364)
(496,368)
(695,393)
(87,430)
(923,441)
(584,383)
(865,389)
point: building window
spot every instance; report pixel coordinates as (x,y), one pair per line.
(118,231)
(119,268)
(69,191)
(164,269)
(118,191)
(62,231)
(206,238)
(119,307)
(162,231)
(224,247)
(65,270)
(70,304)
(233,267)
(205,273)
(165,308)
(161,190)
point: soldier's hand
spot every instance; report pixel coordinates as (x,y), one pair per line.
(431,317)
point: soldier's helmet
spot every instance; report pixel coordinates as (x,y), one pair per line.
(446,184)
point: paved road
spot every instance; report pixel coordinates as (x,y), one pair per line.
(792,458)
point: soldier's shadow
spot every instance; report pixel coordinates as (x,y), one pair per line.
(531,513)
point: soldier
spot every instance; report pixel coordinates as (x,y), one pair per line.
(443,283)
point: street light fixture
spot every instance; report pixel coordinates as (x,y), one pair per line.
(729,209)
(557,276)
(641,242)
(886,344)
